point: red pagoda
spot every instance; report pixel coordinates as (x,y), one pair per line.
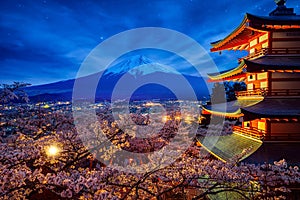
(269,110)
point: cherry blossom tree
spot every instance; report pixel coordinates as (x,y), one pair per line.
(9,92)
(47,158)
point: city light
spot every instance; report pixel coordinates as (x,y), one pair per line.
(178,118)
(188,119)
(166,118)
(52,150)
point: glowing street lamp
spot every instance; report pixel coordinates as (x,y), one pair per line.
(52,150)
(166,118)
(178,118)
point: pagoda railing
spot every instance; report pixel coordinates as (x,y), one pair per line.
(265,92)
(256,92)
(292,50)
(256,54)
(250,131)
(273,51)
(284,92)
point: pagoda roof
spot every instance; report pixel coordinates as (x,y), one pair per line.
(253,26)
(231,108)
(274,107)
(228,147)
(228,73)
(273,62)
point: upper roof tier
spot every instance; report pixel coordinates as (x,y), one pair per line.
(273,63)
(253,26)
(271,107)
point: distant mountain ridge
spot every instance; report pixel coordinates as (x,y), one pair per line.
(136,68)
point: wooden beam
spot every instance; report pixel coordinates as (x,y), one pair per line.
(284,79)
(289,71)
(257,30)
(242,47)
(286,39)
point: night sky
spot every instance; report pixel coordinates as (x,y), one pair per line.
(43,41)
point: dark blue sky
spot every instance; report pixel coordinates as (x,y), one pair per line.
(44,41)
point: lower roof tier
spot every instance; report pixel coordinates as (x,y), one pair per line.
(257,108)
(230,147)
(229,109)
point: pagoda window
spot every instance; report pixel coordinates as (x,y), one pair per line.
(265,45)
(250,86)
(252,50)
(262,126)
(263,84)
(263,37)
(251,77)
(253,42)
(247,124)
(263,75)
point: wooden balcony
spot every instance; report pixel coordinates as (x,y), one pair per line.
(264,136)
(273,51)
(265,92)
(257,54)
(250,131)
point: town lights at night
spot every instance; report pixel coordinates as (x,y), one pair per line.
(150,100)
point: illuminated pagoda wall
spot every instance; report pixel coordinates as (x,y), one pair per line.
(271,71)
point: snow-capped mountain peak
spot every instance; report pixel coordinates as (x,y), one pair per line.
(139,65)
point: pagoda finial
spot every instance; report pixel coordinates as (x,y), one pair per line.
(281,9)
(280,2)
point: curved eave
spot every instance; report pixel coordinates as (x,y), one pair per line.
(235,114)
(261,67)
(237,78)
(235,39)
(255,25)
(216,45)
(226,75)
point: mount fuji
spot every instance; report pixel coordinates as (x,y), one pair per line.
(138,66)
(135,69)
